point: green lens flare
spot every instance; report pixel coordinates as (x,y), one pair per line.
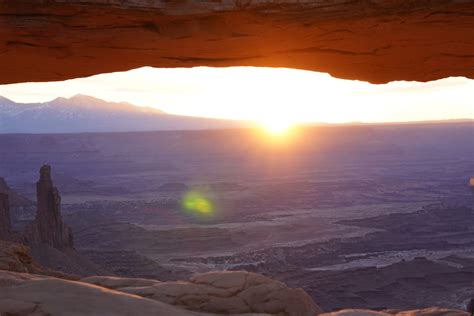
(196,203)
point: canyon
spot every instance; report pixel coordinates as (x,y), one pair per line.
(327,216)
(349,220)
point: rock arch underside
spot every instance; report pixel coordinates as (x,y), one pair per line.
(371,40)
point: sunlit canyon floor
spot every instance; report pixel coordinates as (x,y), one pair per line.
(342,211)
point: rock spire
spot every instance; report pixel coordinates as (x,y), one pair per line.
(50,228)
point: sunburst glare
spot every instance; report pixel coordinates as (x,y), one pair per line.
(276,126)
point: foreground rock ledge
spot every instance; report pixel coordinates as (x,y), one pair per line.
(377,41)
(27,294)
(235,292)
(30,294)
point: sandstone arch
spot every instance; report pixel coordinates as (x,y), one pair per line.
(377,41)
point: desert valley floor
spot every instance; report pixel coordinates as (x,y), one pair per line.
(358,216)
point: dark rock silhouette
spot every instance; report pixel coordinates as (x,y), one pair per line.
(47,241)
(470,306)
(49,226)
(3,185)
(48,238)
(5,220)
(14,198)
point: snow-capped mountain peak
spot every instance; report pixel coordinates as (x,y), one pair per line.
(82,113)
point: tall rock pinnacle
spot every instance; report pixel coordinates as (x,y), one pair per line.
(51,229)
(5,221)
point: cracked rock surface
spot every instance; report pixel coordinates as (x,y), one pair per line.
(235,292)
(26,294)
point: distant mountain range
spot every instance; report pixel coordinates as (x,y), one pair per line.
(82,113)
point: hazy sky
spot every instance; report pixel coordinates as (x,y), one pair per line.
(265,94)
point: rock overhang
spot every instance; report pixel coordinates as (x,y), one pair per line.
(376,41)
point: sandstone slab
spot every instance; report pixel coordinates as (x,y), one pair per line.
(25,294)
(222,293)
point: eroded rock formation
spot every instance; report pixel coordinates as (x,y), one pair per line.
(47,240)
(377,41)
(16,257)
(49,227)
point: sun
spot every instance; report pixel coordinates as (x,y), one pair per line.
(276,126)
